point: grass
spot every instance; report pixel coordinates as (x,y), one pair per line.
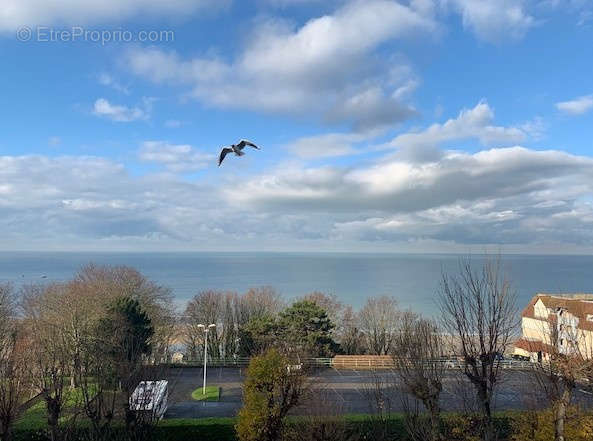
(202,429)
(223,429)
(212,394)
(35,418)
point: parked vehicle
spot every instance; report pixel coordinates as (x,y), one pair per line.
(151,397)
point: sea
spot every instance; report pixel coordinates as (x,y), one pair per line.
(413,279)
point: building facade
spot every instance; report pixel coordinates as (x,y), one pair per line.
(554,323)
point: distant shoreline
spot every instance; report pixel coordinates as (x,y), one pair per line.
(355,253)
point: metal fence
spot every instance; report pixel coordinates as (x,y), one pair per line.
(353,363)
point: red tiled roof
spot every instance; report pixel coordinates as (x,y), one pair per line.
(533,346)
(578,307)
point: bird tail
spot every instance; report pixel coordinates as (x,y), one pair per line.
(239,153)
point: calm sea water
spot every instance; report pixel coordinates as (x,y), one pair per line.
(412,278)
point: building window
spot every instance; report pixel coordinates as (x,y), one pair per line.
(590,317)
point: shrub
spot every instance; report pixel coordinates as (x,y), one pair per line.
(269,392)
(539,426)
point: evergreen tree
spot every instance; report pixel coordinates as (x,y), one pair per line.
(306,329)
(257,335)
(126,331)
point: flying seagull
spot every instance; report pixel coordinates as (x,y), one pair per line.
(237,149)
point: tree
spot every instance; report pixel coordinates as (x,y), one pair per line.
(347,331)
(418,347)
(349,336)
(50,349)
(567,362)
(258,335)
(258,302)
(306,329)
(270,391)
(102,285)
(125,332)
(379,321)
(380,391)
(323,419)
(478,308)
(7,306)
(541,425)
(111,363)
(329,303)
(96,379)
(91,330)
(220,308)
(15,386)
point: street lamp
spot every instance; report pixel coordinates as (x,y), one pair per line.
(205,329)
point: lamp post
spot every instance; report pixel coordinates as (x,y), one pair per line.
(205,329)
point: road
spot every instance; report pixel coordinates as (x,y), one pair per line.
(342,391)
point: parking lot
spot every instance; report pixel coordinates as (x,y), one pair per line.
(342,391)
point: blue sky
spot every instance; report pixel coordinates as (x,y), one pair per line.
(410,126)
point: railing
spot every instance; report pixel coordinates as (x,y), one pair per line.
(355,362)
(503,364)
(215,362)
(244,361)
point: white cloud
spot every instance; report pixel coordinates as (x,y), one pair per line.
(321,42)
(80,200)
(422,145)
(404,185)
(494,21)
(492,196)
(326,145)
(475,123)
(535,128)
(317,68)
(578,106)
(295,2)
(161,66)
(17,13)
(175,158)
(470,123)
(109,81)
(371,110)
(120,113)
(582,8)
(173,123)
(498,196)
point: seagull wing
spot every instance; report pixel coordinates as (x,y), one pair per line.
(244,142)
(223,153)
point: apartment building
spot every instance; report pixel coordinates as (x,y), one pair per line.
(556,323)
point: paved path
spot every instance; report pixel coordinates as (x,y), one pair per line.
(344,391)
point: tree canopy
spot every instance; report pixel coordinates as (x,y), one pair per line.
(306,329)
(269,392)
(126,330)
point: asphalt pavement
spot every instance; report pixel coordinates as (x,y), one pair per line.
(345,391)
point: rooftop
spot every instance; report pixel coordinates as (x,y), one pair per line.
(579,305)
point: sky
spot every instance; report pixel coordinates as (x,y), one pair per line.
(384,126)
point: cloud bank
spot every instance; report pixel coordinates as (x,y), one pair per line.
(17,13)
(510,195)
(322,68)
